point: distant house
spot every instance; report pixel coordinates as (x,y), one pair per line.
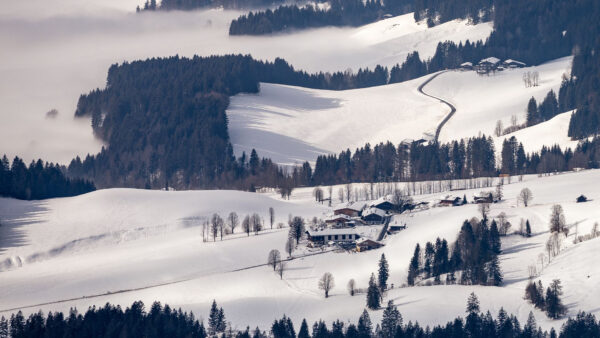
(450,202)
(344,235)
(396,226)
(366,244)
(466,66)
(484,198)
(384,203)
(339,220)
(487,65)
(351,210)
(510,64)
(373,216)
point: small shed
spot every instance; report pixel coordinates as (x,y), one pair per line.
(466,66)
(510,64)
(344,235)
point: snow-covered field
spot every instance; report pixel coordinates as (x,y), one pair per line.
(126,245)
(294,124)
(54,51)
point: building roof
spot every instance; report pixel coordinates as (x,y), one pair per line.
(367,241)
(356,206)
(491,59)
(383,199)
(515,62)
(337,217)
(466,64)
(373,211)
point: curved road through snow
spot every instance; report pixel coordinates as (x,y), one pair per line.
(452,108)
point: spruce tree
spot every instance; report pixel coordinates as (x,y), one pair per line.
(494,273)
(413,268)
(365,327)
(554,306)
(527,229)
(391,319)
(303,333)
(373,294)
(213,318)
(383,273)
(495,243)
(472,304)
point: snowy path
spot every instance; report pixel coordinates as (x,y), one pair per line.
(452,108)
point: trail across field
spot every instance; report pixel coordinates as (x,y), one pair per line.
(452,108)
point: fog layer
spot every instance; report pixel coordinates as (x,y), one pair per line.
(53,51)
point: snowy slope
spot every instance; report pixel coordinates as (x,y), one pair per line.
(482,100)
(294,124)
(155,252)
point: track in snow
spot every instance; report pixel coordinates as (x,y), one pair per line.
(182,280)
(438,130)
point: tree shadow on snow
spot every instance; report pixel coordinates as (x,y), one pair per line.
(14,217)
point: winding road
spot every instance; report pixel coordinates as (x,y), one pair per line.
(452,108)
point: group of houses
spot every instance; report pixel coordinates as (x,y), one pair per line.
(348,225)
(454,201)
(492,64)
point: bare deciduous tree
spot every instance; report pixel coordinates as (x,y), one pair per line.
(348,191)
(246,226)
(216,223)
(271,216)
(274,258)
(484,209)
(326,283)
(289,246)
(318,194)
(280,269)
(557,220)
(351,287)
(233,221)
(503,224)
(341,194)
(256,223)
(498,131)
(525,196)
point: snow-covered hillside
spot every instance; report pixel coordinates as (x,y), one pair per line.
(293,124)
(121,245)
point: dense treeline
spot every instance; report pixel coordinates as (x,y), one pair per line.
(163,321)
(165,124)
(38,181)
(473,256)
(440,11)
(339,13)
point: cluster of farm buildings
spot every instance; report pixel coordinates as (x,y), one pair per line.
(492,64)
(362,226)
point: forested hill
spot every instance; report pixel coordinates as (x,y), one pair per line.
(164,120)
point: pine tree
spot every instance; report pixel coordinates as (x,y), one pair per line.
(495,242)
(527,229)
(221,322)
(383,274)
(365,327)
(494,273)
(414,267)
(213,318)
(303,333)
(3,328)
(373,294)
(554,306)
(530,327)
(472,303)
(391,319)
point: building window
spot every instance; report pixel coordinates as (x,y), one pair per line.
(343,236)
(336,237)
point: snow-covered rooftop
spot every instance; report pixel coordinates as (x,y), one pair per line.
(491,59)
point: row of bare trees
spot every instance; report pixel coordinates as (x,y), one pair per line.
(216,226)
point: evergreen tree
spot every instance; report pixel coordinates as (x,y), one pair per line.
(365,327)
(391,319)
(303,333)
(527,229)
(494,273)
(473,304)
(554,307)
(414,267)
(383,273)
(495,242)
(373,294)
(4,328)
(213,318)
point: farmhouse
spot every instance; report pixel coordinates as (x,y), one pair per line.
(351,209)
(365,244)
(466,66)
(373,216)
(484,198)
(384,203)
(450,202)
(510,64)
(340,220)
(487,65)
(344,235)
